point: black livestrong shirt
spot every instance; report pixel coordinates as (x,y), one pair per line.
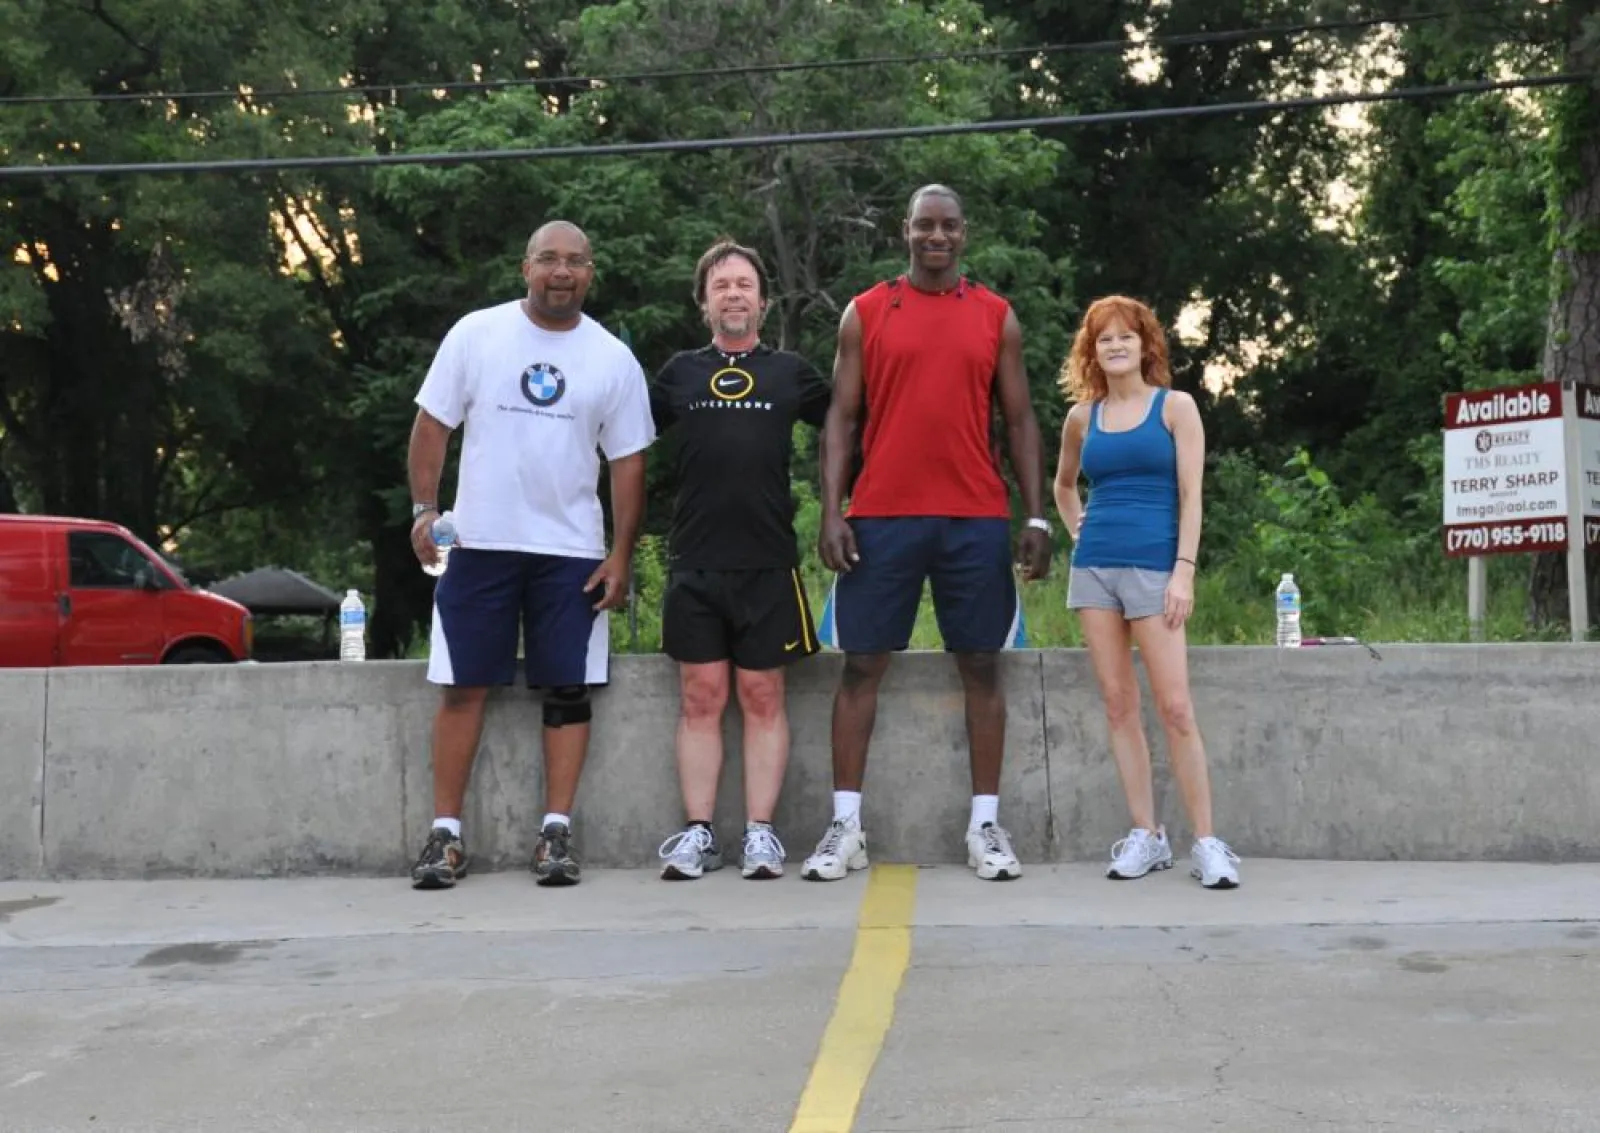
(734,417)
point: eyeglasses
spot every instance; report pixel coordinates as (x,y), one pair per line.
(573,262)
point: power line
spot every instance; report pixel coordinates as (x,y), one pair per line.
(1090,47)
(706,145)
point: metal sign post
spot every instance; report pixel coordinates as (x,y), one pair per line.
(1577,584)
(1581,409)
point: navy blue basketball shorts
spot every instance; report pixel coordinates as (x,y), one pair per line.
(486,600)
(872,608)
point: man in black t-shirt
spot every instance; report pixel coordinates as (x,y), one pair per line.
(733,590)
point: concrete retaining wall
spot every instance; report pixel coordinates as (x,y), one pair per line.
(1433,752)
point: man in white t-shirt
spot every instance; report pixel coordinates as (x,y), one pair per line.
(540,389)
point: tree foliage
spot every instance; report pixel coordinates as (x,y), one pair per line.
(227,362)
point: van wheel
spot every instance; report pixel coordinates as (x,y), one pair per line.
(196,655)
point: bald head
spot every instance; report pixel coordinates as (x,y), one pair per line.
(563,228)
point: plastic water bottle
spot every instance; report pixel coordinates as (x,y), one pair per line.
(1288,602)
(352,627)
(444,538)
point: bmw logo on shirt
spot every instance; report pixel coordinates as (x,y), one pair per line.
(543,384)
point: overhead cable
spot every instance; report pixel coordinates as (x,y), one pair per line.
(243,92)
(758,141)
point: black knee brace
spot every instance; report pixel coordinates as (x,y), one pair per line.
(567,705)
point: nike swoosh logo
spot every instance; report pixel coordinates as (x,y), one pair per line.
(730,383)
(790,647)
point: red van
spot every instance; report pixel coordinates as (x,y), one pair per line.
(86,592)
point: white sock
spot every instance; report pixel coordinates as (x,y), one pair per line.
(451,824)
(985,808)
(558,818)
(847,806)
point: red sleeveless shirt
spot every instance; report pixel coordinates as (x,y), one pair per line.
(928,367)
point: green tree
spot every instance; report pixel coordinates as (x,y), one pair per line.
(156,363)
(1572,336)
(191,355)
(826,217)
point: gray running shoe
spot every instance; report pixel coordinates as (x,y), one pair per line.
(763,854)
(689,853)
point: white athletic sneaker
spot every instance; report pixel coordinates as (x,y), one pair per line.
(763,854)
(989,852)
(1139,853)
(1215,865)
(842,849)
(689,853)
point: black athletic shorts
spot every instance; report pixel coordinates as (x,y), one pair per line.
(759,619)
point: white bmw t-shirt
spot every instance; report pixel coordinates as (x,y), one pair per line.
(536,406)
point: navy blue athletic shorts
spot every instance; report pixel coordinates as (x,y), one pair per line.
(872,608)
(486,600)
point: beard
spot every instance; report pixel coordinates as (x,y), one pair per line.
(737,325)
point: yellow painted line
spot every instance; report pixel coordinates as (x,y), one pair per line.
(865,1006)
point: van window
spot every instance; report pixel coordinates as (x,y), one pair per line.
(104,561)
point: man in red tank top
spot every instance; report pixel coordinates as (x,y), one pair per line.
(924,357)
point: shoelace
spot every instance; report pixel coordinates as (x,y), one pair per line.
(994,840)
(1217,846)
(1140,840)
(436,847)
(559,841)
(762,842)
(1146,844)
(696,838)
(832,840)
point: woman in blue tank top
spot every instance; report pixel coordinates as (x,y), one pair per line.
(1142,448)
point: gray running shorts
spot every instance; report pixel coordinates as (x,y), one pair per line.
(1133,591)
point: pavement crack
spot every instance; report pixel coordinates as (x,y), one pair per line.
(1050,832)
(1164,987)
(1305,1116)
(1219,1072)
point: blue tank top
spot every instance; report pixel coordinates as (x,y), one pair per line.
(1132,518)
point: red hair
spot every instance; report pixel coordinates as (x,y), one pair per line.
(1082,379)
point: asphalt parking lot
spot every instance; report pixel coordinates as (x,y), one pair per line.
(1319,996)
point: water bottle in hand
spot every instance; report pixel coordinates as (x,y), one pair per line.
(1288,603)
(352,627)
(444,538)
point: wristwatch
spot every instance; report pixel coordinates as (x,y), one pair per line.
(1039,523)
(420,510)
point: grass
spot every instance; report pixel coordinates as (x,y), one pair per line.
(1227,612)
(1224,615)
(1371,585)
(1364,572)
